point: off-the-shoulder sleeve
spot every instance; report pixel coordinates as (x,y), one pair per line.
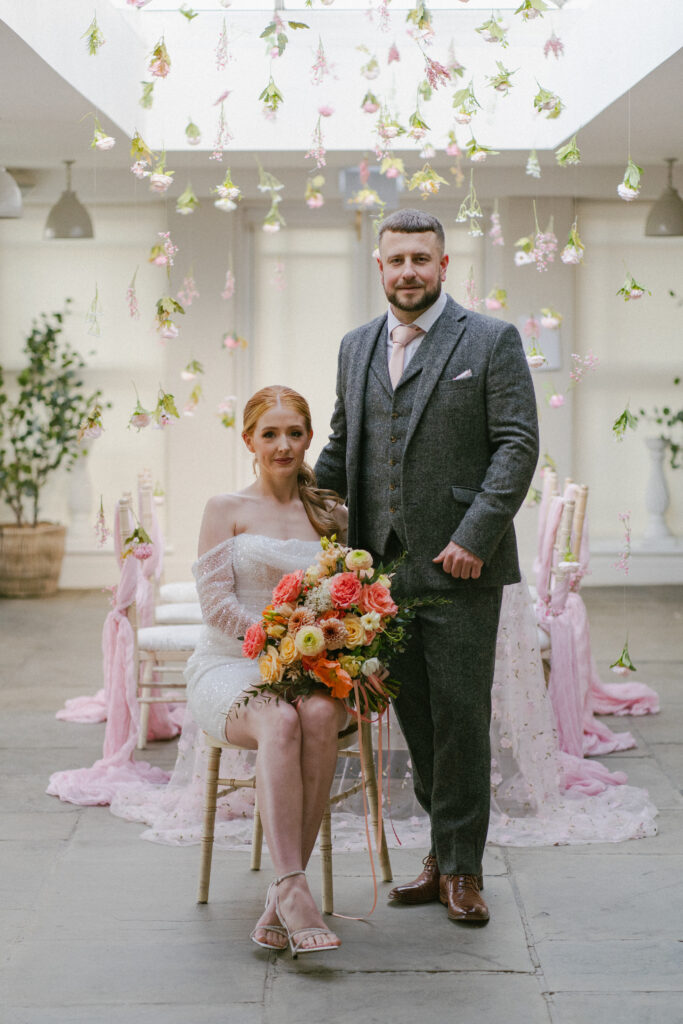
(216,588)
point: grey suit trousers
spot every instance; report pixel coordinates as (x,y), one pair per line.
(444,710)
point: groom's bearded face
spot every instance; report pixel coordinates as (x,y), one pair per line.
(412,267)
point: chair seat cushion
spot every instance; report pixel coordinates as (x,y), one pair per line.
(168,638)
(177,593)
(179,612)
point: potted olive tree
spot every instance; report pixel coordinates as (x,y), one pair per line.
(41,416)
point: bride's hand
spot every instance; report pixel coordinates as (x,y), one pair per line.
(459,562)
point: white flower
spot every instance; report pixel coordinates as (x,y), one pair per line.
(271,228)
(139,169)
(224,204)
(535,361)
(104,141)
(371,621)
(522,258)
(371,666)
(160,182)
(570,254)
(627,193)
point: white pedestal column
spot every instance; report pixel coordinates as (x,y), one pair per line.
(657,534)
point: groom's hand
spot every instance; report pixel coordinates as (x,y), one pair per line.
(459,562)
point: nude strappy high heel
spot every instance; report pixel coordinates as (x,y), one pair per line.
(305,933)
(277,928)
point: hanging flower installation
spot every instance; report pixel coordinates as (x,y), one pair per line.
(466,104)
(630,289)
(470,209)
(496,300)
(228,193)
(187,201)
(93,316)
(555,46)
(533,167)
(166,308)
(222,55)
(140,417)
(188,293)
(539,248)
(313,196)
(452,147)
(580,365)
(501,82)
(427,181)
(317,150)
(271,97)
(625,421)
(147,98)
(160,179)
(471,300)
(132,299)
(229,286)
(548,101)
(94,37)
(494,31)
(629,189)
(165,411)
(496,231)
(320,67)
(223,136)
(623,666)
(477,153)
(192,133)
(188,13)
(102,531)
(269,183)
(226,410)
(574,249)
(531,9)
(192,370)
(159,62)
(231,340)
(569,153)
(162,255)
(91,427)
(623,562)
(550,318)
(140,151)
(192,400)
(100,139)
(370,104)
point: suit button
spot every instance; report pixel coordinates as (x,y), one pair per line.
(392,462)
(392,487)
(394,415)
(392,510)
(393,440)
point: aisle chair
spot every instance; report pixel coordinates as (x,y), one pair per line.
(345,749)
(159,650)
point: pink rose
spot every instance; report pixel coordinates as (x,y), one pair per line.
(376,598)
(555,401)
(289,588)
(345,589)
(142,551)
(254,641)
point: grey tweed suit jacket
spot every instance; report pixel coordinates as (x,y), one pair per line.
(470,450)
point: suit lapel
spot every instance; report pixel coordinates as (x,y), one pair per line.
(379,364)
(355,391)
(443,340)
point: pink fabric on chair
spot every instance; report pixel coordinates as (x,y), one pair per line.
(575,689)
(116,768)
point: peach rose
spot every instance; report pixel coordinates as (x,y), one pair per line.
(355,634)
(270,666)
(376,598)
(254,640)
(288,651)
(289,588)
(345,589)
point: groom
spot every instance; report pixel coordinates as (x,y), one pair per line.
(434,441)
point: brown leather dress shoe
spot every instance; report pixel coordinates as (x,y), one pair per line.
(424,889)
(461,894)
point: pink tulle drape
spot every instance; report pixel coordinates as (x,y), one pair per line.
(575,689)
(116,768)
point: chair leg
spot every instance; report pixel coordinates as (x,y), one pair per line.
(371,787)
(325,842)
(209,823)
(145,691)
(256,839)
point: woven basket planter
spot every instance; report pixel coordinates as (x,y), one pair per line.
(31,559)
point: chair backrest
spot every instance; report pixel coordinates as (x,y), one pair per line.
(124,522)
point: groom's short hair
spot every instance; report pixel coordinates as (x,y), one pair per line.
(413,221)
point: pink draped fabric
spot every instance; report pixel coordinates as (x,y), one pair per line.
(116,768)
(575,689)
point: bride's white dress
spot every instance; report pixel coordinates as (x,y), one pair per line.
(540,796)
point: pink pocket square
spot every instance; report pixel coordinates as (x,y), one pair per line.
(464,375)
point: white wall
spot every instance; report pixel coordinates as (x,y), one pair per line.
(331,285)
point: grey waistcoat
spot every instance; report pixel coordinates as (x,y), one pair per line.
(385,425)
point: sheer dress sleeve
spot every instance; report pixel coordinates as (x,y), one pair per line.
(215,578)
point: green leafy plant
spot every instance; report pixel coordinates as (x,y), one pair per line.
(667,419)
(40,420)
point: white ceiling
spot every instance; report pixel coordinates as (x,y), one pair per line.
(44,115)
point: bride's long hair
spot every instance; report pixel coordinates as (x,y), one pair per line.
(319,503)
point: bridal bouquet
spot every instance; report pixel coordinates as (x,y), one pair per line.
(333,625)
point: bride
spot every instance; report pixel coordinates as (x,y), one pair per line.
(247,542)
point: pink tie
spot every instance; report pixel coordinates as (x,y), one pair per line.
(401,336)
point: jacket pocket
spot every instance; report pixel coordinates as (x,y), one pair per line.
(465,495)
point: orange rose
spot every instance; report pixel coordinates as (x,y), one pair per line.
(331,674)
(254,640)
(376,598)
(289,588)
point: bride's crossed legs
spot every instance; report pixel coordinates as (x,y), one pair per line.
(297,756)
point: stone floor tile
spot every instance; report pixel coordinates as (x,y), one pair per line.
(670,757)
(568,897)
(650,773)
(625,1007)
(156,1013)
(338,997)
(616,964)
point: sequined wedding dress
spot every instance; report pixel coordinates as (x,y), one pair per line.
(540,796)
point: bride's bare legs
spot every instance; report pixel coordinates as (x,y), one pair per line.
(321,719)
(275,729)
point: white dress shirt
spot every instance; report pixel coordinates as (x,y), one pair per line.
(426,320)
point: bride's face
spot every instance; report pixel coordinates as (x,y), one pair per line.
(279,441)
